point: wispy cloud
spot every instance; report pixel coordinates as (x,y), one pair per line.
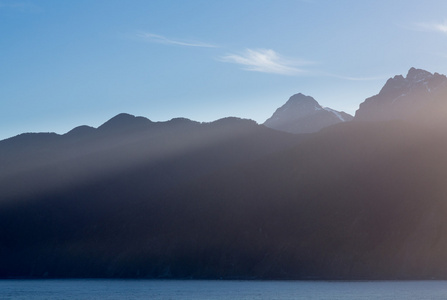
(437,27)
(155,38)
(266,61)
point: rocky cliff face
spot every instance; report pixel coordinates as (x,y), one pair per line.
(404,98)
(303,114)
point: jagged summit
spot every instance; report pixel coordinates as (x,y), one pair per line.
(301,99)
(298,105)
(417,75)
(303,114)
(414,78)
(404,97)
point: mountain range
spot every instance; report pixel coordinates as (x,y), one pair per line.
(310,194)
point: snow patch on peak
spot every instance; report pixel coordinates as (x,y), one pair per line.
(336,113)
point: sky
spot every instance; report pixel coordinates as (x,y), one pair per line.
(69,63)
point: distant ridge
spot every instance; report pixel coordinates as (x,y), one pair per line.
(125,121)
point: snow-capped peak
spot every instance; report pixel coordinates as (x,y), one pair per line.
(303,114)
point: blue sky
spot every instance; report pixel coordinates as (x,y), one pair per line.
(70,63)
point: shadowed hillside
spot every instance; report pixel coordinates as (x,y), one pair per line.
(354,201)
(90,184)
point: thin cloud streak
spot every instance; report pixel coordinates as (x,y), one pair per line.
(258,60)
(155,38)
(265,61)
(437,27)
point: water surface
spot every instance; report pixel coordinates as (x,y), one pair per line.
(220,290)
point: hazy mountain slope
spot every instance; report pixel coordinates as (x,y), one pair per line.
(303,114)
(180,148)
(353,201)
(420,96)
(82,191)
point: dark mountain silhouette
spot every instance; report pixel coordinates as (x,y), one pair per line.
(303,114)
(419,96)
(125,143)
(354,201)
(228,199)
(62,189)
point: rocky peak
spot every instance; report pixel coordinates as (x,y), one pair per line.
(299,104)
(303,114)
(300,99)
(403,97)
(417,75)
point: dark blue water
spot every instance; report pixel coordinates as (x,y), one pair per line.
(192,289)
